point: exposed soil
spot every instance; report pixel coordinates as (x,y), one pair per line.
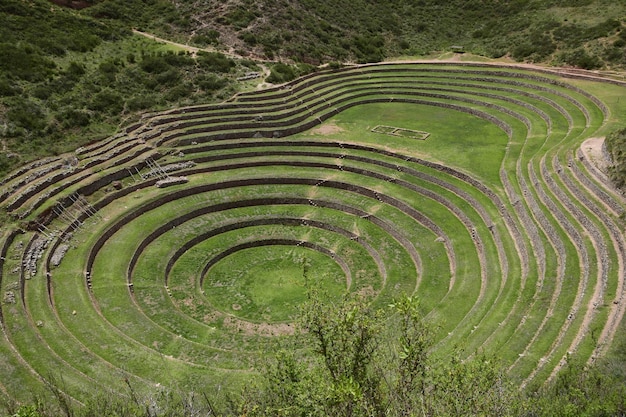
(192,49)
(327,129)
(592,149)
(263,329)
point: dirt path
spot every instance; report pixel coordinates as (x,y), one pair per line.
(194,50)
(592,149)
(456,58)
(445,57)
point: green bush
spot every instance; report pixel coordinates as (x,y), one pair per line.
(580,390)
(371,362)
(178,92)
(8,88)
(281,73)
(71,118)
(181,59)
(368,48)
(210,83)
(27,411)
(206,37)
(141,102)
(215,62)
(241,17)
(75,70)
(25,62)
(170,77)
(581,59)
(107,101)
(154,64)
(26,114)
(249,38)
(108,67)
(537,48)
(42,91)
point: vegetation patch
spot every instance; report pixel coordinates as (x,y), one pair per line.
(270,283)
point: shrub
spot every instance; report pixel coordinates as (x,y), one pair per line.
(108,67)
(181,59)
(70,118)
(368,48)
(207,37)
(249,38)
(370,362)
(107,101)
(240,17)
(281,73)
(178,92)
(75,70)
(8,88)
(154,64)
(141,102)
(26,114)
(581,59)
(24,62)
(42,91)
(537,47)
(215,62)
(616,146)
(211,82)
(168,78)
(27,411)
(580,390)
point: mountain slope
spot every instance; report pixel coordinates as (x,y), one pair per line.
(586,33)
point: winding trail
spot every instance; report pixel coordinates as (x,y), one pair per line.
(231,54)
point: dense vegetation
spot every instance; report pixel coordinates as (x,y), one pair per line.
(578,33)
(88,75)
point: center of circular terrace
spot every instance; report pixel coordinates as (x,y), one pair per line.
(269,283)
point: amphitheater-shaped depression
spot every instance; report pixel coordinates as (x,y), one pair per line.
(180,249)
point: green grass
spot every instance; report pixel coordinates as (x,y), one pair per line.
(269,283)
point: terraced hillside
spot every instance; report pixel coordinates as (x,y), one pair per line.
(177,251)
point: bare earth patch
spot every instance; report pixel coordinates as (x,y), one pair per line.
(592,149)
(327,129)
(262,329)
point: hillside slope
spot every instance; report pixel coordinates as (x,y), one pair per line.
(585,33)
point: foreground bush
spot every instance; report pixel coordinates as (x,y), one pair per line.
(362,361)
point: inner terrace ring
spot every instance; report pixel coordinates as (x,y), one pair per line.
(267,280)
(284,221)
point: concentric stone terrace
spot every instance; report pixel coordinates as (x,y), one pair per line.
(178,251)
